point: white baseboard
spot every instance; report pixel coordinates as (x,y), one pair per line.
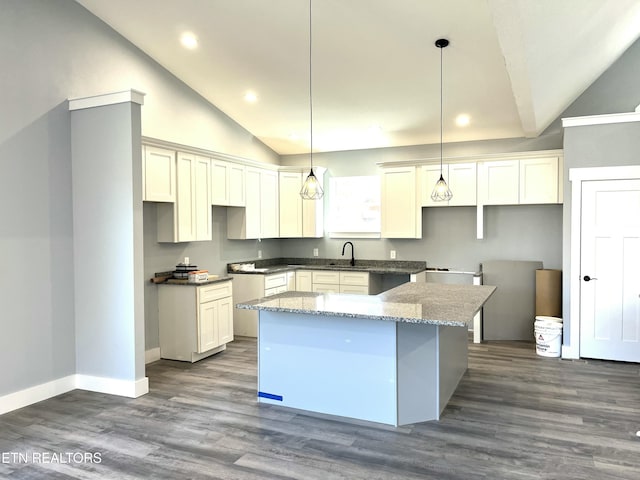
(28,396)
(113,386)
(151,355)
(38,393)
(569,353)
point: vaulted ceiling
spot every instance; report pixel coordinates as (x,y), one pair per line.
(512,66)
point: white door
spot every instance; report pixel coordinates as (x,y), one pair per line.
(610,270)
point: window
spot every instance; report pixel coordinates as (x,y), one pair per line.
(354,207)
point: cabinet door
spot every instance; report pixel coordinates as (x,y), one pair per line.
(275,280)
(225,320)
(498,182)
(252,203)
(291,281)
(313,210)
(291,204)
(354,278)
(430,176)
(303,281)
(326,288)
(236,185)
(185,215)
(159,175)
(539,180)
(207,326)
(269,207)
(219,183)
(201,198)
(326,277)
(400,213)
(354,289)
(462,182)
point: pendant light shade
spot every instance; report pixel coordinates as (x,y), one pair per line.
(441,191)
(311,189)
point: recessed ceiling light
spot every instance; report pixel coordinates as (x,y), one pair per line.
(189,40)
(463,120)
(251,97)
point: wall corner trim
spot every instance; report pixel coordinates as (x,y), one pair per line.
(133,96)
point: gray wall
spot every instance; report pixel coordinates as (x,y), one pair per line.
(522,232)
(52,51)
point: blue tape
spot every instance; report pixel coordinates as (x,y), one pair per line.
(270,396)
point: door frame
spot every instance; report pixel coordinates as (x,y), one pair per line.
(571,348)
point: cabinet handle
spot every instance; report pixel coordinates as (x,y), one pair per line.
(587,278)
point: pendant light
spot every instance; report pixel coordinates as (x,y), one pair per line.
(441,192)
(311,189)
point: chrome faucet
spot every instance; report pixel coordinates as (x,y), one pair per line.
(353,260)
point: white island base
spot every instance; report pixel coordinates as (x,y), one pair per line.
(396,373)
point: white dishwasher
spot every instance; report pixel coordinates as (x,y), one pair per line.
(459,277)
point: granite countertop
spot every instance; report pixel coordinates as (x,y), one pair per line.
(428,303)
(185,282)
(277,265)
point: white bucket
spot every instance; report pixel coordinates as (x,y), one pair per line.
(548,335)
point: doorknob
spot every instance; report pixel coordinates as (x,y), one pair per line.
(587,278)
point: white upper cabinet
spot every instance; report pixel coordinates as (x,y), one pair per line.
(227,183)
(524,181)
(269,205)
(189,219)
(299,217)
(290,204)
(158,174)
(401,213)
(430,176)
(219,183)
(539,180)
(461,178)
(235,176)
(462,182)
(498,182)
(201,198)
(259,217)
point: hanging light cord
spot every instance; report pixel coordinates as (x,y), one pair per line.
(310,95)
(441,115)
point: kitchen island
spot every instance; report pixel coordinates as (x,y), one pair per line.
(394,358)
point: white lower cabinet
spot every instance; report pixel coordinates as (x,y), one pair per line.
(324,281)
(304,281)
(250,287)
(195,321)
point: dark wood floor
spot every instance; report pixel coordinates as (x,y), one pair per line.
(514,416)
